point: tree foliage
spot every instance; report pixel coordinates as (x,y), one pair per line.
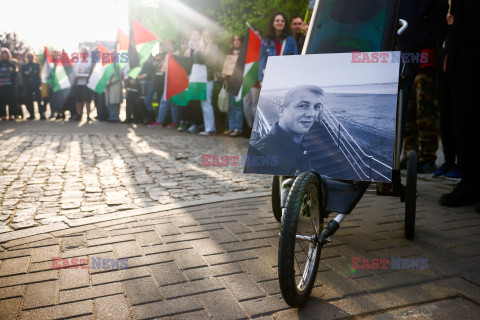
(12,41)
(234,14)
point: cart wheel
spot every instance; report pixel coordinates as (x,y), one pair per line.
(276,199)
(411,195)
(299,251)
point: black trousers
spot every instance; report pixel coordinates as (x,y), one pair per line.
(466,113)
(445,109)
(32,93)
(7,97)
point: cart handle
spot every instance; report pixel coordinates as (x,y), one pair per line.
(403,27)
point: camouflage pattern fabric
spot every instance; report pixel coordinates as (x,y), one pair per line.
(422,123)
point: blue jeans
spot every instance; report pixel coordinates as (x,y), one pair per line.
(148,95)
(207,109)
(235,114)
(163,111)
(113,111)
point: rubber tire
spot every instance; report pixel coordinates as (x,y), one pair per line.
(286,249)
(411,195)
(276,199)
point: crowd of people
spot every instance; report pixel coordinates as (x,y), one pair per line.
(438,102)
(144,95)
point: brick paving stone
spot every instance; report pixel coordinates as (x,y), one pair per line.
(212,271)
(187,259)
(68,310)
(14,266)
(263,306)
(221,305)
(119,275)
(87,293)
(11,292)
(191,288)
(40,295)
(127,250)
(258,270)
(9,308)
(45,253)
(140,291)
(74,278)
(112,308)
(28,278)
(167,308)
(242,287)
(148,239)
(167,273)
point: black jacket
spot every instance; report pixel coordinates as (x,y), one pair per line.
(277,153)
(8,73)
(426,22)
(33,76)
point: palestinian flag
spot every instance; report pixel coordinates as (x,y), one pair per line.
(103,70)
(144,41)
(47,68)
(197,88)
(63,75)
(245,74)
(123,42)
(176,81)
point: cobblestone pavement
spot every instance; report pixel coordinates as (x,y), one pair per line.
(62,171)
(218,260)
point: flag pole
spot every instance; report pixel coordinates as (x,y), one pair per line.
(248,24)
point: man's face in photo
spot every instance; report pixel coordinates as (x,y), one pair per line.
(300,112)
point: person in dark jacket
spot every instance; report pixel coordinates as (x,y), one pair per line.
(463,65)
(31,81)
(283,150)
(7,85)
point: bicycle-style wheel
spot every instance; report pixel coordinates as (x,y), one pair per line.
(299,251)
(276,198)
(411,195)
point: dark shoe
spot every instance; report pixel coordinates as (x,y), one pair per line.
(454,174)
(426,167)
(31,118)
(462,195)
(444,168)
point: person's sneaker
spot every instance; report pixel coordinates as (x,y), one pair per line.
(454,174)
(462,195)
(208,133)
(444,168)
(227,132)
(426,167)
(235,133)
(193,128)
(172,125)
(156,124)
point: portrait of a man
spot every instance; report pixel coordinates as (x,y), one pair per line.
(285,142)
(325,114)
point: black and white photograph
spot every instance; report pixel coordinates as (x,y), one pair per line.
(326,113)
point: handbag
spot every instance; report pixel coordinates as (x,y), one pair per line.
(223,98)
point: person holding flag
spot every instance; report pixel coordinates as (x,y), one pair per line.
(277,42)
(31,78)
(8,75)
(235,110)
